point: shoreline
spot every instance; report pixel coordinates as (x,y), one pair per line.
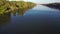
(53,5)
(8,6)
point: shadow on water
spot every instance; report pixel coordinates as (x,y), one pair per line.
(4,18)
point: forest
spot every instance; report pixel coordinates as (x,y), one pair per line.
(9,6)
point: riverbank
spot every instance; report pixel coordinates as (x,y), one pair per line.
(53,5)
(8,6)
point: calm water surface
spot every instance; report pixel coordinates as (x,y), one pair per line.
(38,19)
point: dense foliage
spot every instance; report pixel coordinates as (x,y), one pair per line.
(8,6)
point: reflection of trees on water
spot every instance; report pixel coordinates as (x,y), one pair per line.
(4,18)
(21,11)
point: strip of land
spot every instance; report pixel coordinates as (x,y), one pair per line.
(8,6)
(53,5)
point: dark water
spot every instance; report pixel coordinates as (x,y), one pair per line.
(38,19)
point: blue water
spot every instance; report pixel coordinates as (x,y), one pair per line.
(38,19)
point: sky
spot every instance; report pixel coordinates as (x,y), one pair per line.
(43,1)
(39,1)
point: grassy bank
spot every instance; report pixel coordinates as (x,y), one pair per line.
(9,6)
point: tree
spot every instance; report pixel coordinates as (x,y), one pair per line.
(14,0)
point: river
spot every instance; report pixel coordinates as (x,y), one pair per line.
(38,19)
